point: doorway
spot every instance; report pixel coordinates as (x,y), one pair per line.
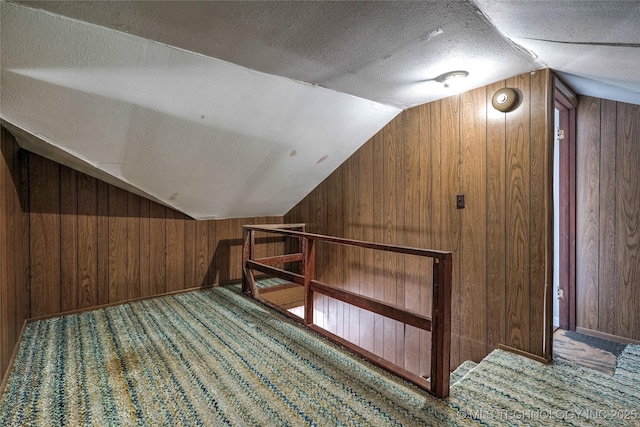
(564,198)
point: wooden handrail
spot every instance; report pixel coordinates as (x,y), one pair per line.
(439,323)
(376,306)
(351,242)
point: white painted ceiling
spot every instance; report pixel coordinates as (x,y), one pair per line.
(236,109)
(593,45)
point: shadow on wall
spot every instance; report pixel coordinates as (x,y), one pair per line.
(226,263)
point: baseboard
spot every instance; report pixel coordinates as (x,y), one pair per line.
(112,304)
(606,336)
(524,353)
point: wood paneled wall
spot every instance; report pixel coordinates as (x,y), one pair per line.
(14,248)
(608,217)
(401,187)
(93,243)
(69,241)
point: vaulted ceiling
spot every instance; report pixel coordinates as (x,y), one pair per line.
(236,109)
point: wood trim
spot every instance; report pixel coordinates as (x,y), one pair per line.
(605,336)
(441,337)
(275,260)
(566,103)
(277,288)
(277,272)
(271,227)
(388,310)
(441,302)
(358,243)
(115,303)
(525,354)
(564,93)
(374,359)
(572,219)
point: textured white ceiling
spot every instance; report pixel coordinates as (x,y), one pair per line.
(595,45)
(382,51)
(223,109)
(205,136)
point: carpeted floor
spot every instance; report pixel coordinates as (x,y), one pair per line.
(214,357)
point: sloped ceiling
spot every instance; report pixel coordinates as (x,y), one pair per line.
(236,109)
(593,45)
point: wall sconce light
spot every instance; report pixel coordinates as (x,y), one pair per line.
(505,100)
(452,78)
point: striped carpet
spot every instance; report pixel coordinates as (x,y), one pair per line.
(628,364)
(214,357)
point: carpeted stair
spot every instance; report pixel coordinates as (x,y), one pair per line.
(628,364)
(461,371)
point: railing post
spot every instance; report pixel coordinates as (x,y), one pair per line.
(441,327)
(247,254)
(309,273)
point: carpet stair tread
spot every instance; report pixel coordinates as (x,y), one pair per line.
(462,370)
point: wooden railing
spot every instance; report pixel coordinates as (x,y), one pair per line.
(439,323)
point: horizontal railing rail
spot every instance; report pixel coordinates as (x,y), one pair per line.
(439,324)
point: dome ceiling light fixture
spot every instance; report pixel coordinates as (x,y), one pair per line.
(505,100)
(452,78)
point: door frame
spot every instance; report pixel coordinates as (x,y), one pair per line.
(566,102)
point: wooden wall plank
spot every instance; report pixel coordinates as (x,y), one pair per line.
(189,253)
(174,253)
(219,255)
(23,309)
(212,272)
(68,239)
(450,225)
(379,281)
(426,177)
(587,212)
(103,243)
(365,220)
(541,229)
(9,222)
(117,244)
(473,258)
(202,257)
(320,201)
(411,233)
(627,218)
(496,221)
(399,142)
(133,246)
(44,200)
(390,219)
(145,255)
(329,275)
(518,218)
(157,235)
(435,221)
(87,241)
(236,259)
(352,231)
(227,227)
(338,269)
(7,305)
(607,219)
